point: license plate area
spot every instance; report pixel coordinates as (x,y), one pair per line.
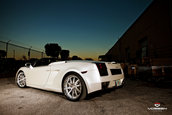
(117,83)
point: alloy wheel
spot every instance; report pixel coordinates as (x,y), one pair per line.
(21,80)
(72,87)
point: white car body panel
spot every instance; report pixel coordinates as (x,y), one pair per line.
(50,77)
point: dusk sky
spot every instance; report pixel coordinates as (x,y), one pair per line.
(88,28)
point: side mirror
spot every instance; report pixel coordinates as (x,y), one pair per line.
(28,65)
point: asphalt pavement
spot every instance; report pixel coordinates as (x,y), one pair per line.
(135,98)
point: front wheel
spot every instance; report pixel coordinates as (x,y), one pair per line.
(21,80)
(74,87)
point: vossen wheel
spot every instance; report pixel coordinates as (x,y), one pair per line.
(74,87)
(21,80)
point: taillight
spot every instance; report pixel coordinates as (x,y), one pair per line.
(102,69)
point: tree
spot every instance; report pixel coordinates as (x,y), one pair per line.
(64,54)
(2,53)
(76,58)
(52,49)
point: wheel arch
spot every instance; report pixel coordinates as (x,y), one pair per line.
(22,69)
(19,72)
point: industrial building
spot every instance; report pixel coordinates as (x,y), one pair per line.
(148,41)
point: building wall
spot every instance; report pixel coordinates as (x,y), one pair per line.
(149,39)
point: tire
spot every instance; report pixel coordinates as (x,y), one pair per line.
(74,87)
(21,79)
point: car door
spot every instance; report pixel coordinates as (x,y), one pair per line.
(37,76)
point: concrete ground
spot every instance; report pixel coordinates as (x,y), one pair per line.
(135,98)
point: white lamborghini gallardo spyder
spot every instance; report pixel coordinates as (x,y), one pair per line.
(75,79)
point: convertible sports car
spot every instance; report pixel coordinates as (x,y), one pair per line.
(75,79)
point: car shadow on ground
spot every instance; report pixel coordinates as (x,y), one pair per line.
(96,94)
(101,93)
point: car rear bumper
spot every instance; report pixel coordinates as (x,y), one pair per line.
(112,81)
(106,82)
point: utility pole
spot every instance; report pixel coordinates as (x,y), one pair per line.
(42,54)
(29,53)
(14,54)
(7,48)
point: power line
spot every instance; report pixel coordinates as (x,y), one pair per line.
(20,46)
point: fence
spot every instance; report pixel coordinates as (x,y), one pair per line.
(20,52)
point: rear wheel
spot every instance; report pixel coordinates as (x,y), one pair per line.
(74,87)
(21,80)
